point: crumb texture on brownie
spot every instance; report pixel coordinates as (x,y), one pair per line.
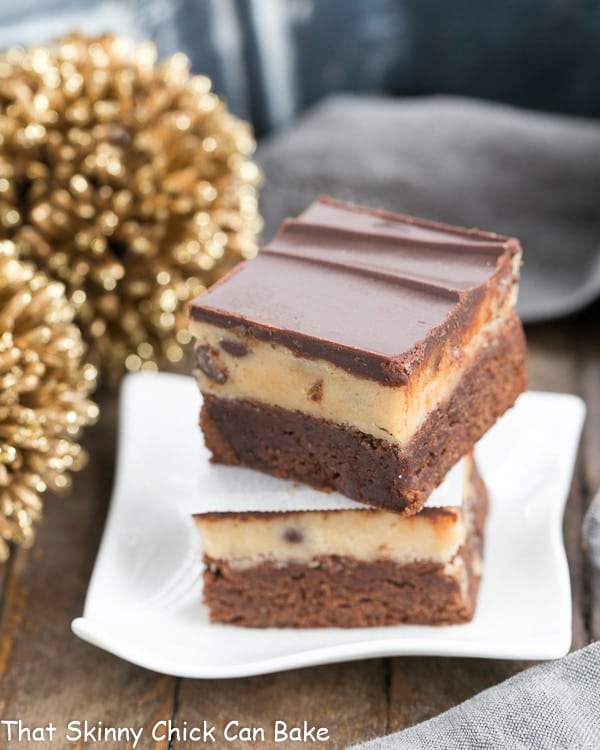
(336,592)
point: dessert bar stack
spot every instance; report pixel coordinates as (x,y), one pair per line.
(364,353)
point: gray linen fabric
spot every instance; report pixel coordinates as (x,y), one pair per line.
(463,161)
(554,706)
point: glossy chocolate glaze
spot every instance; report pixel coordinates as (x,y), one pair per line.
(368,290)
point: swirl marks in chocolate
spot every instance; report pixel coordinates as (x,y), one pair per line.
(365,289)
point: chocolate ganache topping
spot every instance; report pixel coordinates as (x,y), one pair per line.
(366,289)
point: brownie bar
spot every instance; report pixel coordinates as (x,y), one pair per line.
(326,455)
(395,337)
(273,569)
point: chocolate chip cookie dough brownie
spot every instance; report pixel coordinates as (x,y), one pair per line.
(361,351)
(351,566)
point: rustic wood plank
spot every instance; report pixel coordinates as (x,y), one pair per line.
(551,359)
(5,578)
(589,351)
(423,687)
(591,441)
(578,567)
(553,365)
(348,699)
(46,673)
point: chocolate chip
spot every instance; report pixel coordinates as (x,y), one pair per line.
(235,348)
(207,361)
(315,392)
(293,536)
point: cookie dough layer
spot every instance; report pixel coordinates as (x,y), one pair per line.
(326,455)
(299,572)
(233,366)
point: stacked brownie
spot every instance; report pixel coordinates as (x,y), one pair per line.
(365,353)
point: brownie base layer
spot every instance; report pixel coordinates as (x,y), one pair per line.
(326,455)
(343,592)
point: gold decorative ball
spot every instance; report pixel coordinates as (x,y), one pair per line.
(44,388)
(127,180)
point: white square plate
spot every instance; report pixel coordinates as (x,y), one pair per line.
(144,599)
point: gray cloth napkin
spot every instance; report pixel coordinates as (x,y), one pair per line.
(463,161)
(554,706)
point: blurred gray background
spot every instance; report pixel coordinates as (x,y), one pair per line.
(474,112)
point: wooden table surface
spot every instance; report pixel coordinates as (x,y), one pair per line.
(47,674)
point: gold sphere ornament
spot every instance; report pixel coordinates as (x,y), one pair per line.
(44,390)
(129,181)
